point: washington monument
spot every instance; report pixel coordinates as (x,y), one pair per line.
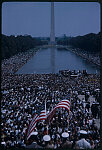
(52,34)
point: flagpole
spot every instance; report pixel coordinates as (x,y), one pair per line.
(45,106)
(69,107)
(45,114)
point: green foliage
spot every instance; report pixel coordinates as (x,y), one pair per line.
(12,45)
(90,42)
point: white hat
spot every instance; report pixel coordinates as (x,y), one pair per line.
(3,143)
(3,111)
(65,135)
(28,89)
(82,132)
(46,138)
(34,133)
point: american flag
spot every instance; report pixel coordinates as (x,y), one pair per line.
(34,121)
(50,115)
(42,116)
(63,104)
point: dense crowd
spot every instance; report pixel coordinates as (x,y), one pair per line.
(15,62)
(25,94)
(22,95)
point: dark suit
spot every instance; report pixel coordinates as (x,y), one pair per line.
(67,144)
(51,146)
(34,145)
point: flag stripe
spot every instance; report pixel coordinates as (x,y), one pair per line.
(67,101)
(35,119)
(32,122)
(63,107)
(64,104)
(40,118)
(31,132)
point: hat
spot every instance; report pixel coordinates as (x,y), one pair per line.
(82,132)
(3,143)
(34,133)
(3,111)
(46,138)
(65,135)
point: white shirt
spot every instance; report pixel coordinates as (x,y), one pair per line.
(83,144)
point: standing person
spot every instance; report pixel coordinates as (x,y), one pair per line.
(98,111)
(86,97)
(88,106)
(93,110)
(50,145)
(33,143)
(66,143)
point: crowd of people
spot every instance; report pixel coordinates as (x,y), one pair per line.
(15,62)
(25,94)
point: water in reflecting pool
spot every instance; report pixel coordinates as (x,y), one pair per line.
(51,60)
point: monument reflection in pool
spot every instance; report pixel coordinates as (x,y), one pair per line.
(51,60)
(52,50)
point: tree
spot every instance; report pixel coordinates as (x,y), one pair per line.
(12,45)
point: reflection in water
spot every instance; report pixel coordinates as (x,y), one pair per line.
(52,51)
(52,60)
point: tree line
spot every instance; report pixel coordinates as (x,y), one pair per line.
(11,45)
(89,42)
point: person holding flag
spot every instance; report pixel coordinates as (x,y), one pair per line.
(34,121)
(43,116)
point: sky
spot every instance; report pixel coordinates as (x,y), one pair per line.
(33,18)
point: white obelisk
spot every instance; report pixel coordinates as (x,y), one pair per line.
(52,34)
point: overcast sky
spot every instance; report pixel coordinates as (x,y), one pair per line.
(33,18)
